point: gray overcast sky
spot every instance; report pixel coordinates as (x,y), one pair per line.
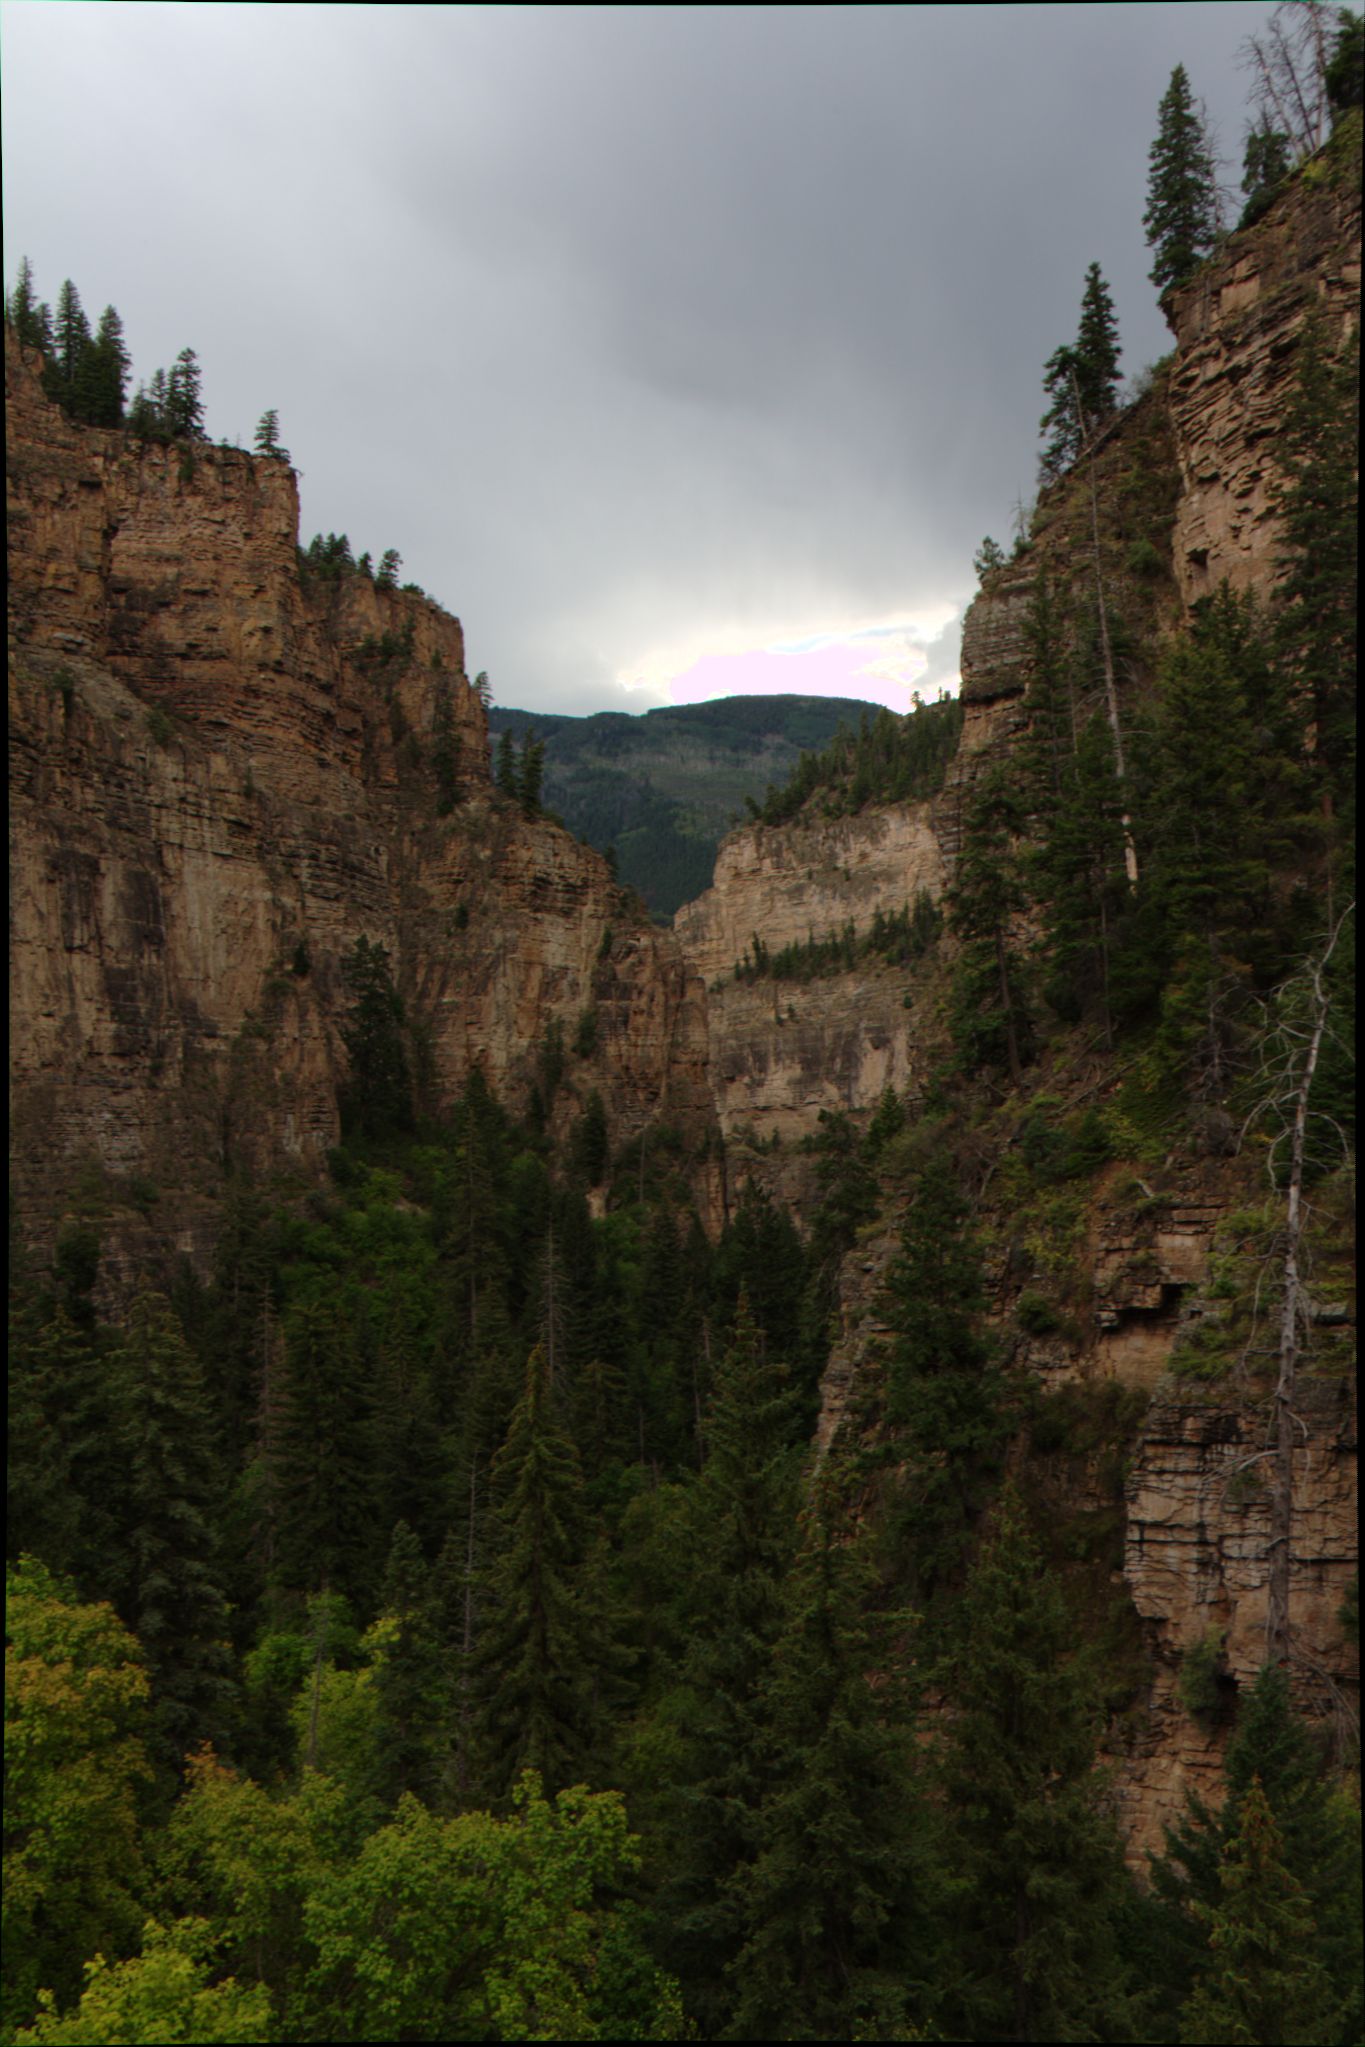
(651,337)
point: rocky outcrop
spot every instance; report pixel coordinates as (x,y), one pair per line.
(220,778)
(1237,326)
(1196,1550)
(807,880)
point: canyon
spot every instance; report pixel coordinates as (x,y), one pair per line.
(220,779)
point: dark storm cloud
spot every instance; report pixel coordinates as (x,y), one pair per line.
(628,327)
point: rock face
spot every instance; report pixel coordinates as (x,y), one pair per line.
(220,780)
(1237,326)
(782,1051)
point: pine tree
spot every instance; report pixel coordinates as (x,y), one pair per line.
(828,1907)
(21,308)
(408,1677)
(70,345)
(322,1456)
(389,564)
(267,436)
(944,1387)
(1181,215)
(1036,1947)
(747,1507)
(184,405)
(1319,1834)
(1081,380)
(506,776)
(543,1656)
(1265,166)
(170,1511)
(378,1101)
(1263,1980)
(986,896)
(531,774)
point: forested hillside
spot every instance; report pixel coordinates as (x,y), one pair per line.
(573,1481)
(661,790)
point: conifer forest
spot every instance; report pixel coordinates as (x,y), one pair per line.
(509,1536)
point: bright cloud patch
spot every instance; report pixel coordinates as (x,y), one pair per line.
(883,664)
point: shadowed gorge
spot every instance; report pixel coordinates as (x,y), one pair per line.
(788,1476)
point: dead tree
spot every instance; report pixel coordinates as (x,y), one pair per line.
(1304,1015)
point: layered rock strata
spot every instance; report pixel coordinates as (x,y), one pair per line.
(220,779)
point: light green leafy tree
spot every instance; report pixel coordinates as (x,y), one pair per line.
(163,1994)
(75,1712)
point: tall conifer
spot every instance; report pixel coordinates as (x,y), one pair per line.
(1181,216)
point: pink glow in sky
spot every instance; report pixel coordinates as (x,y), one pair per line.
(880,664)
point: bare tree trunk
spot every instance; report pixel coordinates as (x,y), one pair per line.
(1277,1635)
(1111,695)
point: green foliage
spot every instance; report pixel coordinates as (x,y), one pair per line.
(829,1904)
(988,557)
(1081,380)
(75,1715)
(888,760)
(377,1103)
(170,1589)
(1205,1692)
(1037,1942)
(1273,1764)
(1266,163)
(161,1994)
(1181,213)
(1345,74)
(943,1387)
(990,1018)
(267,436)
(1263,1981)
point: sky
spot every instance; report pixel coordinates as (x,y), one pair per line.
(680,352)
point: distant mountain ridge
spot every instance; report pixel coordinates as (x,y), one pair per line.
(664,787)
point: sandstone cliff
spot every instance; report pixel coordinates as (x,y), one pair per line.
(219,780)
(1186,480)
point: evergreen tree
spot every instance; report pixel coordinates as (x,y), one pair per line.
(1265,166)
(543,1654)
(22,310)
(944,1387)
(1036,1943)
(107,380)
(747,1508)
(1263,1981)
(1181,215)
(170,1512)
(70,345)
(1081,380)
(1223,805)
(378,1101)
(1097,351)
(828,1907)
(1318,1830)
(986,897)
(184,404)
(389,564)
(531,774)
(267,437)
(506,776)
(408,1677)
(1345,74)
(445,751)
(321,1456)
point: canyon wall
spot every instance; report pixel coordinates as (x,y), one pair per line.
(220,779)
